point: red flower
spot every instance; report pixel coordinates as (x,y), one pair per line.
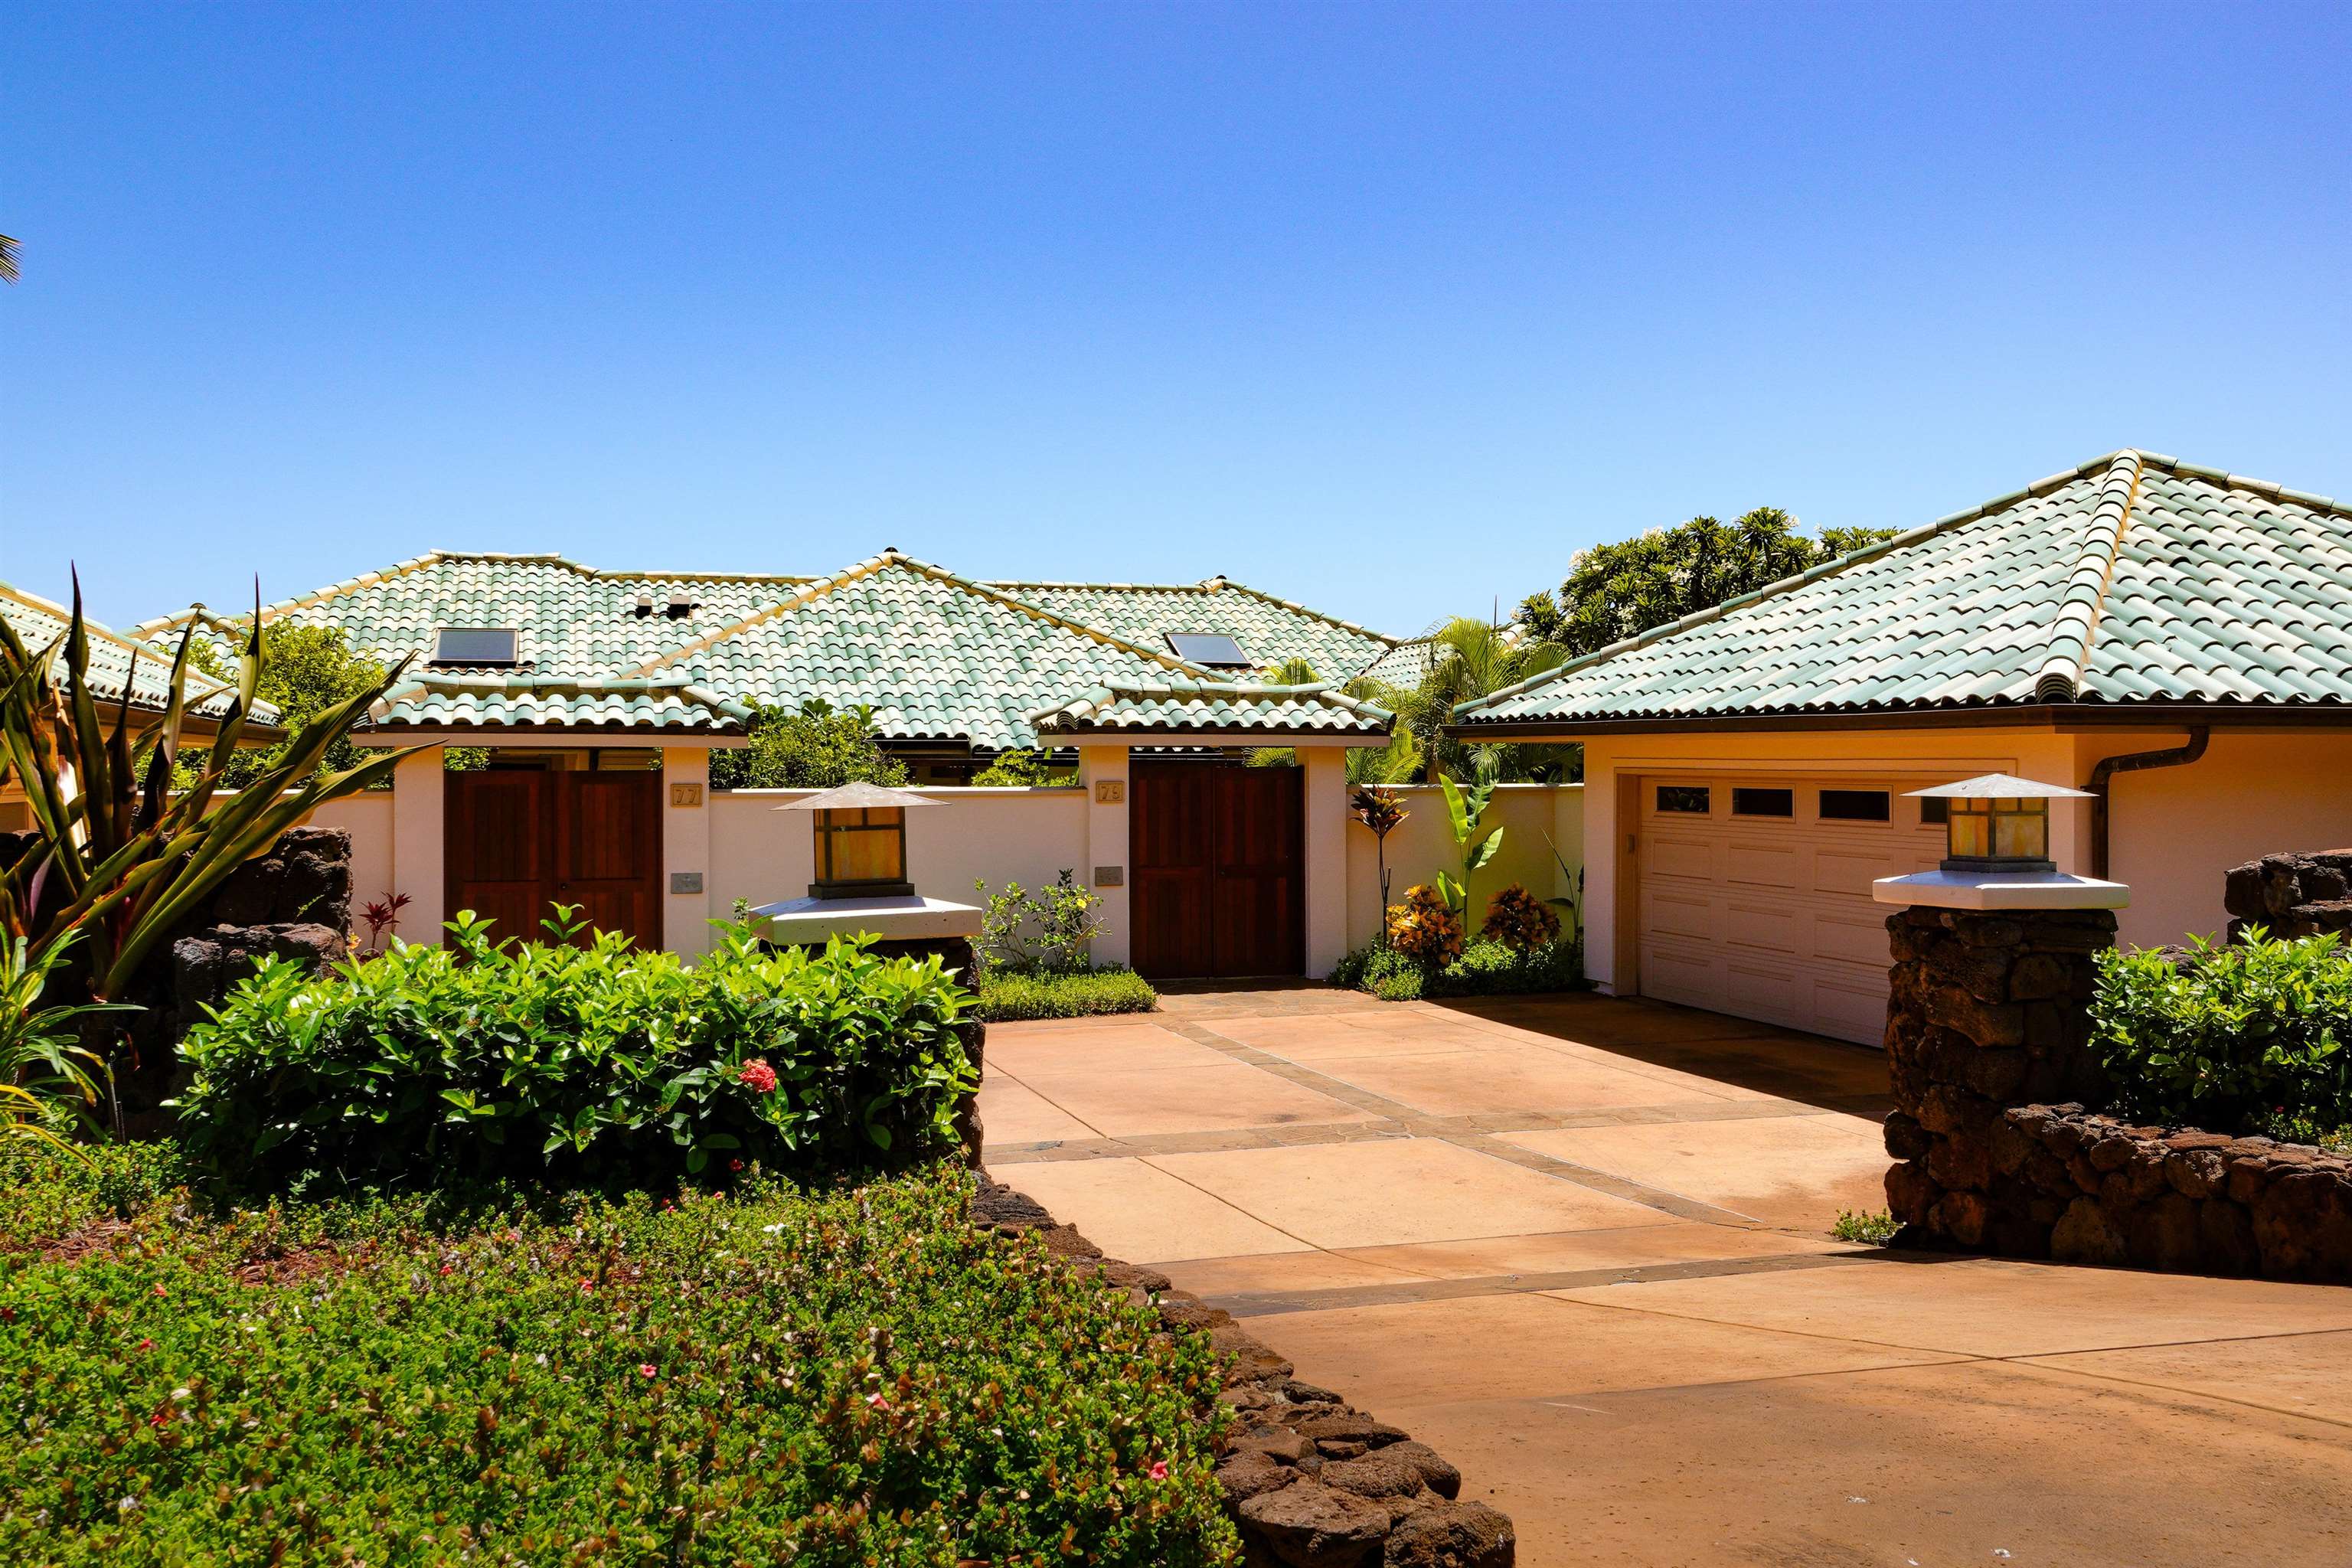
(759,1075)
(644,1369)
(146,1344)
(731,1165)
(7,1314)
(1158,1469)
(161,1291)
(448,1268)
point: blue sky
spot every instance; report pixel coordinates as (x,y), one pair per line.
(1387,309)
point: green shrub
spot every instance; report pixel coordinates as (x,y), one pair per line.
(2231,1036)
(1484,968)
(1075,993)
(1874,1226)
(839,1378)
(594,1064)
(1049,931)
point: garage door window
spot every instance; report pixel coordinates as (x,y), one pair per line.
(1763,802)
(1688,800)
(1853,805)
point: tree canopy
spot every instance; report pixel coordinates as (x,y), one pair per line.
(1616,590)
(814,746)
(305,670)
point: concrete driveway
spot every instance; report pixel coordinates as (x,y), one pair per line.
(1581,1246)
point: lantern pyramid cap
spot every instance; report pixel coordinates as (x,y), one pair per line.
(1999,786)
(850,796)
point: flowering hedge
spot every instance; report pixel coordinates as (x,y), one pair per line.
(851,1377)
(574,1065)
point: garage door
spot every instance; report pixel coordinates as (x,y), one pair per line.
(1754,895)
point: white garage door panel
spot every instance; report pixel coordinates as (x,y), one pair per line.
(1771,918)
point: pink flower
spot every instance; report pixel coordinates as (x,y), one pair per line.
(759,1075)
(161,1291)
(449,1269)
(875,1401)
(1158,1469)
(645,1369)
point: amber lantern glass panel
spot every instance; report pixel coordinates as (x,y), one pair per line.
(864,846)
(2021,829)
(1969,829)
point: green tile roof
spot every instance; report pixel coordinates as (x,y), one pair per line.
(937,657)
(2134,578)
(477,701)
(573,621)
(1407,664)
(1195,706)
(1270,630)
(113,658)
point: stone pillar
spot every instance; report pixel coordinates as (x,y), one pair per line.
(1327,857)
(1990,1011)
(419,800)
(1102,770)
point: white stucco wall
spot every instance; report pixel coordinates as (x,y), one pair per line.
(1423,845)
(1029,836)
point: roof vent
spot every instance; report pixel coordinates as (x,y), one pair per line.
(679,606)
(644,606)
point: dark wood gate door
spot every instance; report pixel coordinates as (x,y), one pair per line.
(519,840)
(1219,868)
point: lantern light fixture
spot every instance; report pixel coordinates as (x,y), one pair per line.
(1998,822)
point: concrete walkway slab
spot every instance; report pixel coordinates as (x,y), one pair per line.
(1581,1246)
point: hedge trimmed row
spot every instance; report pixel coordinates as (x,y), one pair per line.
(1006,995)
(602,1065)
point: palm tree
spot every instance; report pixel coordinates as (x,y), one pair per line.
(1475,658)
(8,260)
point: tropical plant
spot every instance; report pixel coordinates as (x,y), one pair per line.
(305,670)
(1383,811)
(1425,927)
(382,915)
(116,855)
(48,1081)
(1292,672)
(1616,590)
(1050,930)
(8,272)
(1519,920)
(1474,659)
(596,1064)
(814,746)
(1005,997)
(1572,903)
(1475,840)
(1028,770)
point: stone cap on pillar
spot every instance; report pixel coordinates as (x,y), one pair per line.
(2001,890)
(896,918)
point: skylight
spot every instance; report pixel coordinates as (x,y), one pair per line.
(1214,649)
(475,645)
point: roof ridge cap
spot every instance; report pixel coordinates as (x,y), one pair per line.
(270,612)
(2060,678)
(2181,468)
(809,592)
(137,648)
(1053,617)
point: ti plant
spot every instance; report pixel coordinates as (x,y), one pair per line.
(43,1067)
(116,855)
(1382,810)
(1476,843)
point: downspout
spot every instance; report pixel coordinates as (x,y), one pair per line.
(2103,777)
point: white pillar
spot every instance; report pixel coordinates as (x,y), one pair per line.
(419,796)
(686,850)
(1104,772)
(1327,857)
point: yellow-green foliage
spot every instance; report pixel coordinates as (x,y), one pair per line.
(827,1378)
(1520,920)
(1422,928)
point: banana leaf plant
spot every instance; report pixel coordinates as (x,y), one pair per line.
(1474,840)
(117,855)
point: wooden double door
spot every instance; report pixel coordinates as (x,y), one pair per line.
(519,840)
(1218,859)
